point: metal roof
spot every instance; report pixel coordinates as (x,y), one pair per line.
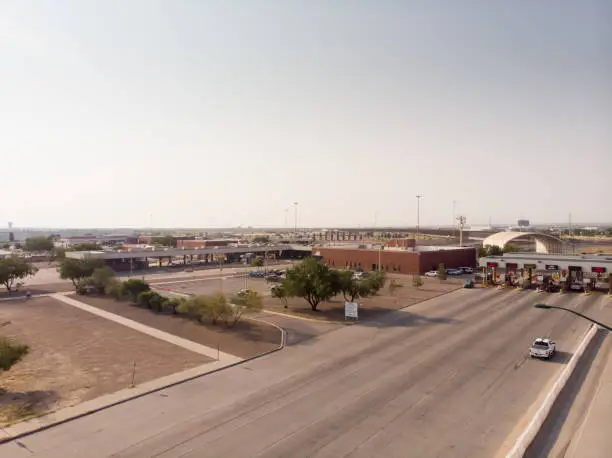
(168,252)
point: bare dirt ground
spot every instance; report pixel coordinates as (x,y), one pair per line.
(246,339)
(76,356)
(389,298)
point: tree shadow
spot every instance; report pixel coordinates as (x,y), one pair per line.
(404,319)
(16,406)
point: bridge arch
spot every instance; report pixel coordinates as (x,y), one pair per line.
(545,243)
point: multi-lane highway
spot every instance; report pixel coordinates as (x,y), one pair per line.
(446,378)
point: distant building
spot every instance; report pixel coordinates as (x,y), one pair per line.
(205,243)
(396,259)
(105,240)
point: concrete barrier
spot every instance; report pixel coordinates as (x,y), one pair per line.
(530,432)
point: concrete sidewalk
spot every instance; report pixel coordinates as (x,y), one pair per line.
(593,438)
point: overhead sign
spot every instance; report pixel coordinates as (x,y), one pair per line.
(491,264)
(351,310)
(598,270)
(552,267)
(529,266)
(511,265)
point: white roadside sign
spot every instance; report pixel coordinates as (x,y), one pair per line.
(351,310)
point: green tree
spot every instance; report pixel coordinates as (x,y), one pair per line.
(214,307)
(257,262)
(14,268)
(248,302)
(280,292)
(375,281)
(196,307)
(38,243)
(103,278)
(490,250)
(509,248)
(152,300)
(174,303)
(442,271)
(417,281)
(77,270)
(167,241)
(313,281)
(351,288)
(130,289)
(261,239)
(11,353)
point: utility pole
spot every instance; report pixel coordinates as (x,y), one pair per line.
(418,215)
(461,220)
(286,214)
(295,207)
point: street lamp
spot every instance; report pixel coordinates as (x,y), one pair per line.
(546,306)
(418,214)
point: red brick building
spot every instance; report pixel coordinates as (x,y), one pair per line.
(399,261)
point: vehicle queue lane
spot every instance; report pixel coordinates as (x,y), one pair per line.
(448,377)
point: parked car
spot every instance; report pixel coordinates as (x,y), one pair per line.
(431,273)
(467,270)
(454,272)
(542,348)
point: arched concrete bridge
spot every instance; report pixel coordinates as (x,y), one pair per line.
(544,243)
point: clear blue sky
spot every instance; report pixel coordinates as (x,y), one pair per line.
(222,113)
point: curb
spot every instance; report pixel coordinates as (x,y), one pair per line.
(530,432)
(37,429)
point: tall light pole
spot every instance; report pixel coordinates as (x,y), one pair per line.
(418,215)
(295,207)
(286,214)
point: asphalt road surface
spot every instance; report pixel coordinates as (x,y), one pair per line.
(445,378)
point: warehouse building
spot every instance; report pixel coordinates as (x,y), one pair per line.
(401,257)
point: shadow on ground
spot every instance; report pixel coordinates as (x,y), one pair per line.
(561,357)
(17,406)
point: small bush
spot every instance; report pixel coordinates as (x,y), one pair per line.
(130,289)
(417,281)
(151,300)
(10,353)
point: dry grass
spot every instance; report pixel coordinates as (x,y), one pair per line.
(76,356)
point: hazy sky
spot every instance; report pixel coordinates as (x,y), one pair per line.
(219,113)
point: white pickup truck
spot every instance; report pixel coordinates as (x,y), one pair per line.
(542,348)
